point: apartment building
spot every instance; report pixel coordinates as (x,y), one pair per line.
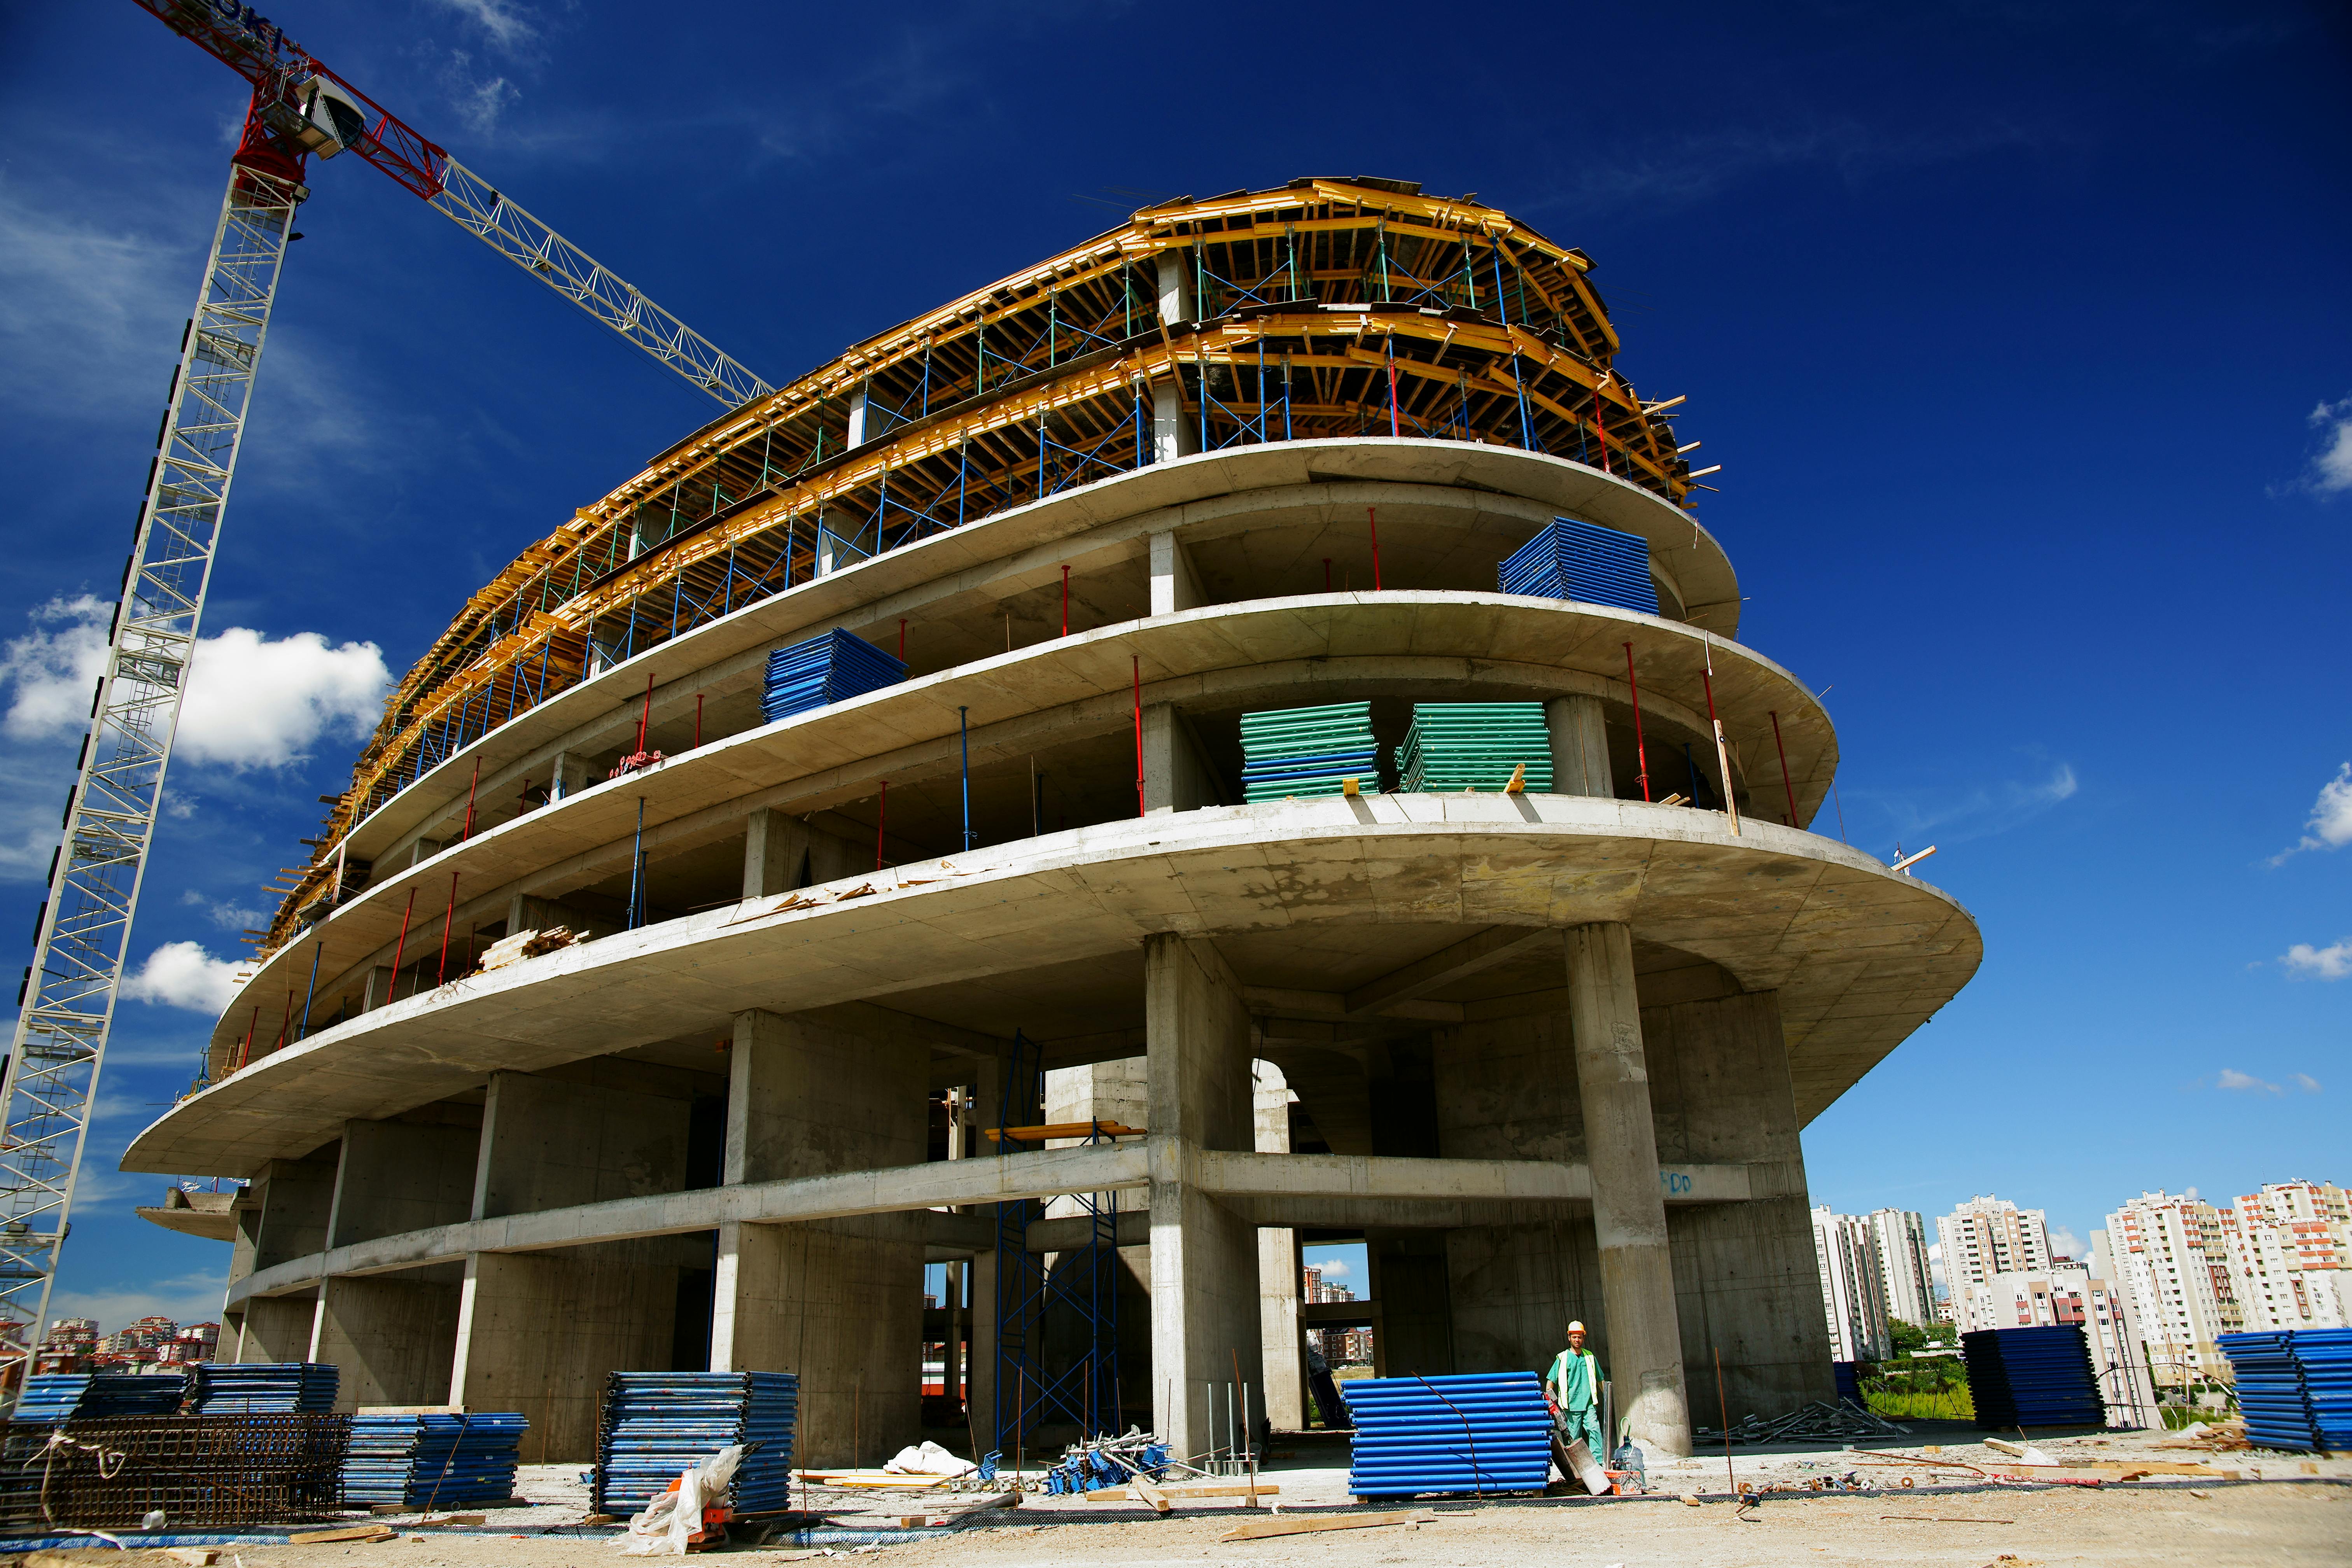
(1853,1288)
(1988,1235)
(1901,1237)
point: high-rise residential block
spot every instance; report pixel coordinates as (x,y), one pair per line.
(1853,1286)
(1989,1235)
(1901,1237)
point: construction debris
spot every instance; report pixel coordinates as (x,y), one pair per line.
(1820,1419)
(526,944)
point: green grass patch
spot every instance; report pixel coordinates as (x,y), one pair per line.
(1939,1405)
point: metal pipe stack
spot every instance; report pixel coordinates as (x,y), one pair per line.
(1483,1433)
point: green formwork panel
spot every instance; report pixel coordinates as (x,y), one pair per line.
(1474,745)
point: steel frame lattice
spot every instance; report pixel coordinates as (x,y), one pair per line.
(481,210)
(67,1003)
(1082,1281)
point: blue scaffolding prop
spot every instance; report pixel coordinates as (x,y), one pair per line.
(1082,1286)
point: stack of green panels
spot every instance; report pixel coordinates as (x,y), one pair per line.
(1308,752)
(1474,745)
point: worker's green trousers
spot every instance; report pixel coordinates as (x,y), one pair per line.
(1584,1424)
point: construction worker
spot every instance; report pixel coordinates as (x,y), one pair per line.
(1574,1384)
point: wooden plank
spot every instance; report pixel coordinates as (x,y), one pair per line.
(361,1532)
(1191,1489)
(1151,1494)
(1297,1525)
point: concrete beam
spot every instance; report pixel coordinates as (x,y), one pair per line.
(1490,947)
(1278,1189)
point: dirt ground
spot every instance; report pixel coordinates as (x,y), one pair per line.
(2284,1509)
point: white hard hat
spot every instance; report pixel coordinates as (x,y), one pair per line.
(1577,1329)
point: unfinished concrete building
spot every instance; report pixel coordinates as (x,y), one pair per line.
(1547,1052)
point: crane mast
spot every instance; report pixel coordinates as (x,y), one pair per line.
(66,1003)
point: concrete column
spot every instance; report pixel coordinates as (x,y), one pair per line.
(781,853)
(987,1097)
(424,849)
(1176,285)
(1644,1332)
(1205,1297)
(537,1332)
(1580,747)
(568,776)
(1281,1347)
(394,1335)
(1175,585)
(841,1303)
(375,990)
(1174,776)
(1172,435)
(857,436)
(1120,1091)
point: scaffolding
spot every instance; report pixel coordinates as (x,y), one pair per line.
(1077,1288)
(1323,308)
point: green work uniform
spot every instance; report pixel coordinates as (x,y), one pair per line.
(1576,1377)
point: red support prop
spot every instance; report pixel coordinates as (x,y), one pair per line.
(467,831)
(1066,599)
(245,1046)
(442,974)
(1374,513)
(1641,753)
(285,1024)
(401,946)
(1393,431)
(646,720)
(902,637)
(1784,770)
(1138,734)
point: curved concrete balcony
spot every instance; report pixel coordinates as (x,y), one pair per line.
(1449,511)
(1078,691)
(1357,889)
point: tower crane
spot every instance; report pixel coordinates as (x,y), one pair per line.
(66,1003)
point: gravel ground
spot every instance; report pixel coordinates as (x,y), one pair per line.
(2284,1509)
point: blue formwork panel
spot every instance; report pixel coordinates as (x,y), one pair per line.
(263,1388)
(658,1424)
(433,1461)
(1481,1433)
(2032,1377)
(56,1396)
(825,669)
(2295,1387)
(1572,560)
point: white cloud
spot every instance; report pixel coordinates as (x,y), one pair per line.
(2331,963)
(1333,1268)
(509,25)
(2304,1082)
(189,1299)
(52,669)
(2330,827)
(252,702)
(2231,1077)
(479,100)
(2331,466)
(228,917)
(182,974)
(2066,1243)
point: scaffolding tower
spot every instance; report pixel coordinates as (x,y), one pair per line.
(1078,1286)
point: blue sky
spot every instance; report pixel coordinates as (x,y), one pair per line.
(2020,332)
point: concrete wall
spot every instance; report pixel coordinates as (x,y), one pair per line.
(1282,1345)
(839,1303)
(1746,1279)
(537,1332)
(394,1337)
